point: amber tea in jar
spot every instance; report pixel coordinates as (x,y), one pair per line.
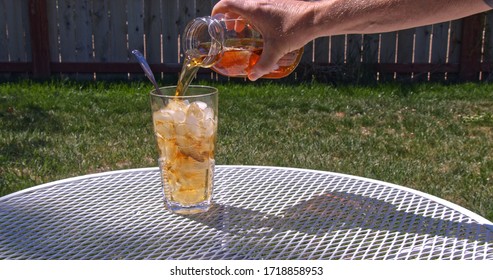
(213,42)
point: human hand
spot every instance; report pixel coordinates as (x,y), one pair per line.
(284,25)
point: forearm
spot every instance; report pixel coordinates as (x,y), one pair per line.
(333,17)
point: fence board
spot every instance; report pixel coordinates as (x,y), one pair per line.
(337,49)
(305,72)
(118,31)
(488,46)
(135,14)
(353,49)
(16,30)
(472,37)
(203,8)
(67,29)
(370,55)
(388,50)
(152,30)
(455,41)
(307,56)
(353,56)
(405,42)
(214,2)
(52,12)
(40,47)
(422,49)
(388,54)
(4,54)
(439,51)
(322,48)
(170,34)
(27,29)
(101,27)
(187,13)
(440,42)
(455,47)
(83,31)
(489,38)
(370,48)
(422,44)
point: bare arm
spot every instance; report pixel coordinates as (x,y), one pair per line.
(375,16)
(287,25)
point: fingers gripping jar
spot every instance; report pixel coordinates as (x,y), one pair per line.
(231,47)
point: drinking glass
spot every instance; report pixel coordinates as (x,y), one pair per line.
(185,129)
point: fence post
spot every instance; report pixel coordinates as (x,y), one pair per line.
(470,57)
(38,22)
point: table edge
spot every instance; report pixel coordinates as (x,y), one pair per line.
(444,202)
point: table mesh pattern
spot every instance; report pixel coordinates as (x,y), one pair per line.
(259,213)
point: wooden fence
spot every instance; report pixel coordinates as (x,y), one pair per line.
(93,38)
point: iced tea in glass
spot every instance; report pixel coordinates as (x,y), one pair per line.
(185,128)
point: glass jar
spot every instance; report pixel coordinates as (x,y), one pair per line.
(231,47)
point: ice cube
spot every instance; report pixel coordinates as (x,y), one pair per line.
(179,116)
(172,180)
(209,127)
(163,115)
(208,148)
(161,143)
(193,153)
(163,123)
(208,113)
(177,105)
(183,141)
(195,131)
(193,126)
(181,129)
(194,177)
(195,165)
(191,120)
(200,104)
(170,150)
(177,109)
(189,148)
(195,109)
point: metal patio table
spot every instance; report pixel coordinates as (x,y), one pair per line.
(259,213)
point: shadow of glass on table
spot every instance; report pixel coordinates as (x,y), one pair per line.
(347,226)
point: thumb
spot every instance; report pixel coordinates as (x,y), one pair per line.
(266,63)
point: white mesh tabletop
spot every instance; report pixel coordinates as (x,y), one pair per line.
(259,213)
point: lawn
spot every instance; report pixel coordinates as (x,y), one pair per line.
(430,137)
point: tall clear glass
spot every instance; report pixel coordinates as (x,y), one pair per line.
(185,129)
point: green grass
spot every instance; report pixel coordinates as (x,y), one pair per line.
(433,138)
